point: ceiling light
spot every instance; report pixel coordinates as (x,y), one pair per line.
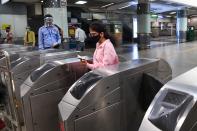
(130,3)
(172,13)
(124,7)
(80,2)
(107,5)
(4,1)
(160,16)
(186,2)
(154,16)
(168,16)
(41,1)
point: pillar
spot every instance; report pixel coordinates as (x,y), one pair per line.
(181,27)
(144,24)
(155,29)
(58,9)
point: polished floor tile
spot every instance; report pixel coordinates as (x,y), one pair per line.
(181,57)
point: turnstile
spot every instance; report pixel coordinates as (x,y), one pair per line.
(7,57)
(43,90)
(112,98)
(15,48)
(2,46)
(17,53)
(19,70)
(174,107)
(13,55)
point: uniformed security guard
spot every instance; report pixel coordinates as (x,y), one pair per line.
(48,36)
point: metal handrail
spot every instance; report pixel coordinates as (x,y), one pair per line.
(14,117)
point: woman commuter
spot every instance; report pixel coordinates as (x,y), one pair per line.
(105,53)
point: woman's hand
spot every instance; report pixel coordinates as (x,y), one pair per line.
(84,62)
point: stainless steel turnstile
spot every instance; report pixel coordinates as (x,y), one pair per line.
(3,46)
(15,75)
(18,52)
(15,48)
(43,90)
(174,107)
(12,56)
(112,98)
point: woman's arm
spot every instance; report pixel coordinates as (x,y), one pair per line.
(109,57)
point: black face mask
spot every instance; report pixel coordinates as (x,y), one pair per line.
(95,38)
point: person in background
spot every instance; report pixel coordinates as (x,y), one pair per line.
(29,39)
(105,53)
(80,37)
(48,35)
(9,35)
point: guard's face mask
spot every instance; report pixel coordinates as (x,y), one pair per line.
(48,21)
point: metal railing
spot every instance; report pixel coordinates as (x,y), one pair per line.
(10,114)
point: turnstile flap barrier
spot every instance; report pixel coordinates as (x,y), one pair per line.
(169,109)
(18,61)
(83,84)
(39,72)
(112,96)
(150,87)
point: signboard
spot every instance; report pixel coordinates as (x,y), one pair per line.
(86,16)
(99,16)
(4,1)
(74,20)
(63,3)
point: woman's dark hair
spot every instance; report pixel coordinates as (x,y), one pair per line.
(99,27)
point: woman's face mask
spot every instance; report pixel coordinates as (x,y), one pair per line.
(94,36)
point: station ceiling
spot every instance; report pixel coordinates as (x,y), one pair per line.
(157,6)
(26,1)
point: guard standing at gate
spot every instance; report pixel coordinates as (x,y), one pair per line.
(48,35)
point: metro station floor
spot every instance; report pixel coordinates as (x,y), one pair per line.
(181,57)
